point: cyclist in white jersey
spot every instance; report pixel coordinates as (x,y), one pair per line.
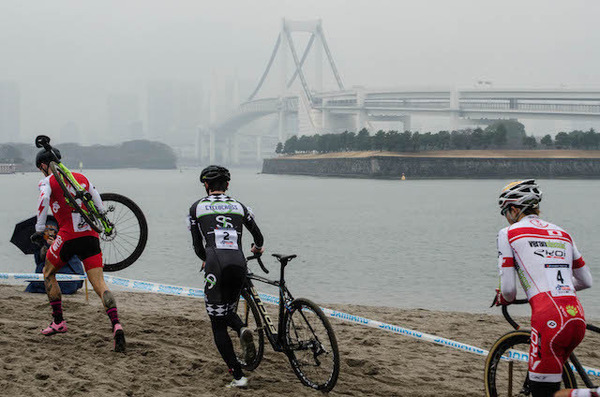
(550,268)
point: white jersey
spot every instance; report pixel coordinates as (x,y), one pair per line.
(544,257)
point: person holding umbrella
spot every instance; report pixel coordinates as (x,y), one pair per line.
(73,266)
(75,237)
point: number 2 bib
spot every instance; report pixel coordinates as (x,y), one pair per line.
(226,239)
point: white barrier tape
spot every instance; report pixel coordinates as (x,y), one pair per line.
(516,355)
(199,293)
(40,277)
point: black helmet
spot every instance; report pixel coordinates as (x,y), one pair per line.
(214,173)
(45,157)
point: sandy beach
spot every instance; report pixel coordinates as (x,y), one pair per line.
(171,351)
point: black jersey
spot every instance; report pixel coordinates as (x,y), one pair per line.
(217,221)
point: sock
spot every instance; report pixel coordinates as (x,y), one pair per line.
(57,311)
(113,315)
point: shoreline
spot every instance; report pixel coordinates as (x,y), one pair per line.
(171,351)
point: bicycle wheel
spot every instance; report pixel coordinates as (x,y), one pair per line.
(311,345)
(74,197)
(509,377)
(127,241)
(248,313)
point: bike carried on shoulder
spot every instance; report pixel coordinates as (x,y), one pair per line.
(122,229)
(506,366)
(302,332)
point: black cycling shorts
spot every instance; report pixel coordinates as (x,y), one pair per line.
(225,275)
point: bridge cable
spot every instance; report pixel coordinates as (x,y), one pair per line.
(298,68)
(264,76)
(330,57)
(304,56)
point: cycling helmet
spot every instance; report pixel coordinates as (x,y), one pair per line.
(214,173)
(45,157)
(524,194)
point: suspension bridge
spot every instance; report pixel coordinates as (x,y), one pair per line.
(309,110)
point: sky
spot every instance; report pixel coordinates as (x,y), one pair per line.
(68,55)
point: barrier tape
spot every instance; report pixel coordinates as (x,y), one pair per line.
(40,277)
(166,289)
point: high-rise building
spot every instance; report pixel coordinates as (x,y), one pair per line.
(124,122)
(9,112)
(174,111)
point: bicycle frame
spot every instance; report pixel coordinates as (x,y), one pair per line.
(274,335)
(572,358)
(44,141)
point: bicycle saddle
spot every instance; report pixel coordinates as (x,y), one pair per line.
(284,258)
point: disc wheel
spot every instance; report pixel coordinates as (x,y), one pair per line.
(311,345)
(127,240)
(76,197)
(248,313)
(508,376)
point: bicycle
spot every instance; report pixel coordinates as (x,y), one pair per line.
(303,332)
(122,229)
(506,365)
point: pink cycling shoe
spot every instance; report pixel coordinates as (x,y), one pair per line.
(119,337)
(54,328)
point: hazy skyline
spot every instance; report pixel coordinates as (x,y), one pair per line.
(68,57)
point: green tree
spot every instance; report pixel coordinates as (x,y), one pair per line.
(363,140)
(379,140)
(562,140)
(547,141)
(291,145)
(529,142)
(279,148)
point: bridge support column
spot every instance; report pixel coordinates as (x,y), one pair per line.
(235,149)
(211,148)
(406,123)
(259,148)
(281,126)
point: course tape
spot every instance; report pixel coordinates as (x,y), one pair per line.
(40,277)
(199,293)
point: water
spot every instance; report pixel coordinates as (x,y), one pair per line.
(414,243)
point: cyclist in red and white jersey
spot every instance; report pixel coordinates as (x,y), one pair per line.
(550,268)
(75,237)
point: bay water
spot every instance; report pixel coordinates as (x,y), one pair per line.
(414,243)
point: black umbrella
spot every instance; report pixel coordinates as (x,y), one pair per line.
(24,230)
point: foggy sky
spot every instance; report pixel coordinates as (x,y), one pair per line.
(68,56)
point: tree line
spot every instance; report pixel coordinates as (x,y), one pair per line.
(132,154)
(505,134)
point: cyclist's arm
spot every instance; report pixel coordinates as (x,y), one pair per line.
(192,223)
(95,196)
(43,205)
(506,267)
(582,277)
(253,228)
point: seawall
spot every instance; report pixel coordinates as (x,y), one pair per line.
(436,167)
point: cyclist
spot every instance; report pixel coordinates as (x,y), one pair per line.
(215,222)
(75,237)
(550,269)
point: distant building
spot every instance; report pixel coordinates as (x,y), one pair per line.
(174,111)
(9,112)
(124,121)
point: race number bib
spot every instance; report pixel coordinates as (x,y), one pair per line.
(79,225)
(559,279)
(226,239)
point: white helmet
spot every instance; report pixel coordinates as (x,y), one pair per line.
(524,194)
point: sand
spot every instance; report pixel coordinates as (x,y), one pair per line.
(171,351)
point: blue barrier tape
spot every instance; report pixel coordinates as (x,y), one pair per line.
(199,293)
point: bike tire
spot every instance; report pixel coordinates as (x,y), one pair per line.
(496,372)
(249,314)
(69,188)
(128,239)
(308,338)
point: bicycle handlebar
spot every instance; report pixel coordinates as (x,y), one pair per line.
(44,141)
(260,262)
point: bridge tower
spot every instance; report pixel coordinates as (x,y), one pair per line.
(309,119)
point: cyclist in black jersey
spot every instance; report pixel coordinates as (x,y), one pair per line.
(216,222)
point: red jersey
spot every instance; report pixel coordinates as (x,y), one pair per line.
(70,222)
